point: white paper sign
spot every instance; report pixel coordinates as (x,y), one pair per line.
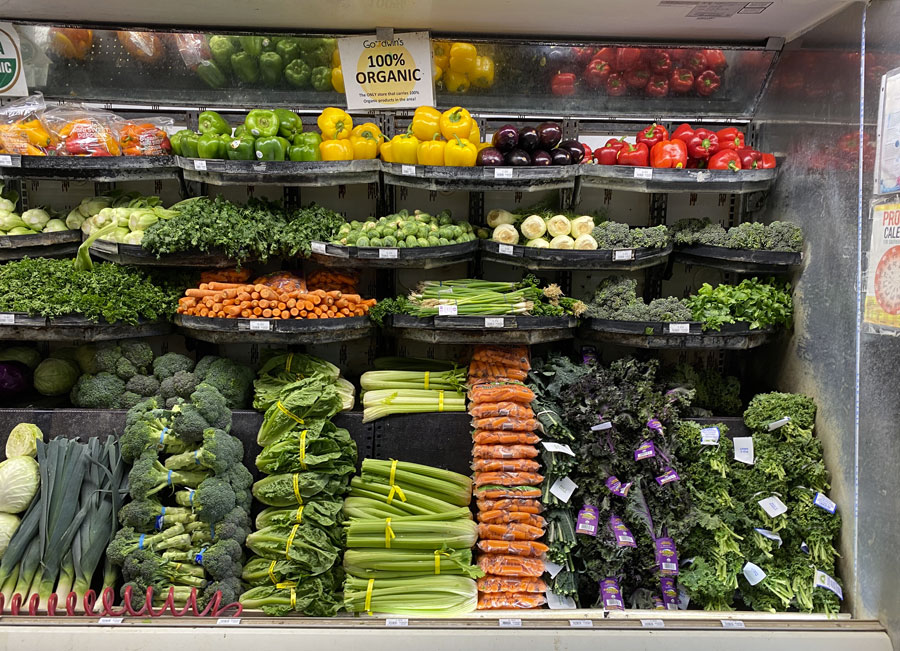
(620,255)
(505,249)
(779,423)
(12,72)
(448,310)
(556,602)
(408,170)
(395,621)
(643,172)
(229,621)
(563,488)
(823,502)
(710,436)
(387,74)
(753,573)
(550,446)
(773,506)
(7,319)
(510,622)
(771,535)
(679,328)
(260,325)
(822,580)
(732,623)
(493,322)
(743,449)
(317,247)
(653,623)
(199,165)
(503,172)
(581,623)
(601,426)
(5,160)
(110,620)
(552,568)
(387,254)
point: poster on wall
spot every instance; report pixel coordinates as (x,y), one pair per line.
(882,304)
(12,74)
(887,167)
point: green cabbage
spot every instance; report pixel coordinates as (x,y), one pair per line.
(8,525)
(55,377)
(55,226)
(10,220)
(22,354)
(22,440)
(19,482)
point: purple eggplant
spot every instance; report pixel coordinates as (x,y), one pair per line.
(561,156)
(528,139)
(506,138)
(549,135)
(573,147)
(540,157)
(518,158)
(489,156)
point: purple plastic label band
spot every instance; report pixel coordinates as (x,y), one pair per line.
(588,355)
(655,425)
(669,593)
(616,487)
(658,603)
(621,532)
(667,476)
(666,556)
(611,594)
(588,517)
(645,450)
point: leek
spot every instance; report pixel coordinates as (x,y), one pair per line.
(438,483)
(440,596)
(396,563)
(400,533)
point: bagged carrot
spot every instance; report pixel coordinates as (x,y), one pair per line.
(514,356)
(506,565)
(511,504)
(505,465)
(505,517)
(508,424)
(501,393)
(504,452)
(508,479)
(501,492)
(495,600)
(485,437)
(494,409)
(504,584)
(509,531)
(514,547)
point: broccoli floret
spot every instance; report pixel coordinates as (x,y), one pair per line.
(171,403)
(207,409)
(222,560)
(144,385)
(170,363)
(219,452)
(784,236)
(106,357)
(137,412)
(233,380)
(235,526)
(238,477)
(203,366)
(148,477)
(749,235)
(128,540)
(227,592)
(184,383)
(129,399)
(138,353)
(125,369)
(150,515)
(612,235)
(212,500)
(100,391)
(613,294)
(148,430)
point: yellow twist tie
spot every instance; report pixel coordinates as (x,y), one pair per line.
(395,490)
(368,607)
(177,566)
(441,401)
(293,597)
(427,374)
(296,479)
(287,364)
(292,585)
(298,516)
(290,541)
(272,572)
(437,560)
(284,410)
(388,533)
(303,449)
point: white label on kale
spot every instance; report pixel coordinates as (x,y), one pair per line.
(200,165)
(652,623)
(643,173)
(110,620)
(494,322)
(622,255)
(550,446)
(505,249)
(581,623)
(779,423)
(823,502)
(5,161)
(771,535)
(773,506)
(743,449)
(552,568)
(804,547)
(448,310)
(408,170)
(228,621)
(7,319)
(732,623)
(822,580)
(396,621)
(260,324)
(679,328)
(387,254)
(317,247)
(503,172)
(710,436)
(557,602)
(510,622)
(753,573)
(601,426)
(563,488)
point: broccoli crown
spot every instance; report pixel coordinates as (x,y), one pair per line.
(213,500)
(137,412)
(614,293)
(233,380)
(220,451)
(144,385)
(101,391)
(612,235)
(667,310)
(149,515)
(148,476)
(171,403)
(222,560)
(125,369)
(106,357)
(228,591)
(123,543)
(784,236)
(203,365)
(212,406)
(184,383)
(749,235)
(169,364)
(129,399)
(692,231)
(138,353)
(238,477)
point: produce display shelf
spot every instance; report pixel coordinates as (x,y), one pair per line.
(483,330)
(610,259)
(646,334)
(738,260)
(481,179)
(43,245)
(90,168)
(134,254)
(427,257)
(318,174)
(647,179)
(273,331)
(21,327)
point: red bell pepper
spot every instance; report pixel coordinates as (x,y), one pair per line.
(588,154)
(703,144)
(660,62)
(726,159)
(683,132)
(563,83)
(583,54)
(653,134)
(696,164)
(681,80)
(606,54)
(658,86)
(707,83)
(716,60)
(696,62)
(730,138)
(767,162)
(628,58)
(637,78)
(637,155)
(669,153)
(597,72)
(678,54)
(615,85)
(750,158)
(608,153)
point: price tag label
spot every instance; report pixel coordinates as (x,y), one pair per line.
(743,449)
(621,255)
(779,423)
(679,328)
(601,426)
(317,247)
(5,160)
(387,254)
(110,620)
(773,506)
(448,310)
(753,573)
(396,621)
(229,621)
(503,173)
(557,602)
(771,535)
(710,436)
(510,622)
(552,568)
(199,165)
(260,325)
(581,623)
(408,170)
(653,623)
(493,322)
(7,319)
(505,249)
(643,172)
(823,502)
(563,488)
(822,580)
(550,446)
(732,623)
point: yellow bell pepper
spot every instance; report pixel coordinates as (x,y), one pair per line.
(456,82)
(364,147)
(333,149)
(460,153)
(475,134)
(385,151)
(336,58)
(335,124)
(456,122)
(404,149)
(462,57)
(441,54)
(368,130)
(482,76)
(431,152)
(426,122)
(337,79)
(483,145)
(35,132)
(437,71)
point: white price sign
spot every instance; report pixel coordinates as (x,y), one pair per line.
(552,568)
(260,325)
(622,255)
(199,165)
(679,328)
(732,623)
(510,622)
(581,623)
(505,249)
(653,623)
(773,506)
(774,425)
(110,620)
(408,170)
(550,446)
(5,160)
(643,172)
(743,449)
(448,310)
(563,488)
(387,254)
(389,73)
(494,322)
(601,426)
(557,602)
(229,621)
(503,173)
(396,621)
(710,436)
(317,247)
(7,319)
(753,573)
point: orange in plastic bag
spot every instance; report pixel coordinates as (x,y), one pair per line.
(509,584)
(509,531)
(504,452)
(508,479)
(501,393)
(508,424)
(504,517)
(484,437)
(505,465)
(501,492)
(511,504)
(506,565)
(494,409)
(514,547)
(498,600)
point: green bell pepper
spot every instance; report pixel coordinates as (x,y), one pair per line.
(210,145)
(297,73)
(221,48)
(252,45)
(286,144)
(321,78)
(270,148)
(269,43)
(212,122)
(289,123)
(307,44)
(241,148)
(289,49)
(245,66)
(189,142)
(270,67)
(210,73)
(262,123)
(239,130)
(318,57)
(175,142)
(306,147)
